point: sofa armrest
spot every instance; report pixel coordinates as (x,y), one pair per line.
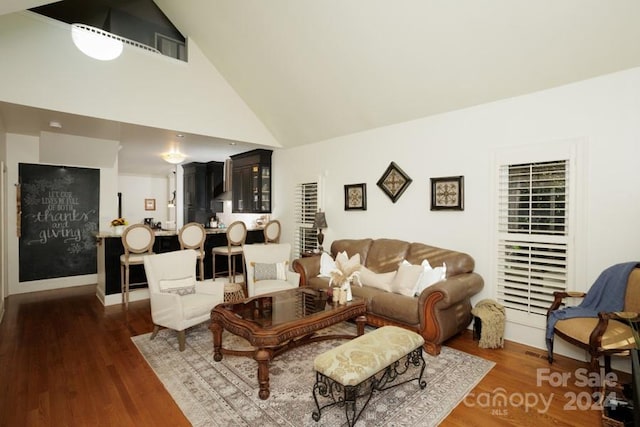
(307,267)
(443,295)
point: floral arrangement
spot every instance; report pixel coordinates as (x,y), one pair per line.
(118,221)
(342,277)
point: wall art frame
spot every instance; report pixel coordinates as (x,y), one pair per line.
(149,204)
(355,197)
(447,193)
(394,182)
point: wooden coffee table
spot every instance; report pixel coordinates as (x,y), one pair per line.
(274,323)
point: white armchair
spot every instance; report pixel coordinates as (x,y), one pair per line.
(272,273)
(178,300)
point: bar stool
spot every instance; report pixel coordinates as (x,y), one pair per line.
(138,241)
(192,236)
(236,236)
(272,232)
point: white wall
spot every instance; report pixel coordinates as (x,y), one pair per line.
(602,113)
(139,87)
(135,189)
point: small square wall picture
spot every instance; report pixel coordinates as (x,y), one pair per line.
(447,193)
(355,197)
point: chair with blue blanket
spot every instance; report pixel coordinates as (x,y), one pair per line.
(601,323)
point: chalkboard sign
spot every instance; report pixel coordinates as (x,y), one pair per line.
(60,213)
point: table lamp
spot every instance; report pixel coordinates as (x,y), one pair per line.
(320,222)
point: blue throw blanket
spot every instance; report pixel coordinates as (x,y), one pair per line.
(606,294)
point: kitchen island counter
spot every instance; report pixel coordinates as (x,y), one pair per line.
(110,248)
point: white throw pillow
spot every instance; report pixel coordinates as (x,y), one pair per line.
(182,286)
(327,265)
(405,280)
(376,280)
(430,276)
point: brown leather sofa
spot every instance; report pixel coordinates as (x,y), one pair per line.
(438,313)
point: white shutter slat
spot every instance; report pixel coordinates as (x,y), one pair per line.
(306,206)
(533,234)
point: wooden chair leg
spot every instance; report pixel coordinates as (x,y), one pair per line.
(594,363)
(181,340)
(607,363)
(156,329)
(244,269)
(213,262)
(232,275)
(126,286)
(122,282)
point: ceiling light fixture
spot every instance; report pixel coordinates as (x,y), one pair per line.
(96,43)
(55,124)
(100,44)
(174,156)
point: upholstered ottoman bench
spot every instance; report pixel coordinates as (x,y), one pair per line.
(369,363)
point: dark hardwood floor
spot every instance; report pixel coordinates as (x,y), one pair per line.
(65,360)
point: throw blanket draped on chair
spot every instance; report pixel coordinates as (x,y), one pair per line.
(492,316)
(606,294)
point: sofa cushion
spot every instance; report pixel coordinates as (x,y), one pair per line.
(367,293)
(352,247)
(457,262)
(394,306)
(385,255)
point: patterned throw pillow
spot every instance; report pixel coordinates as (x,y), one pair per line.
(183,286)
(264,271)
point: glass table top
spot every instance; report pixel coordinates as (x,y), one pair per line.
(285,306)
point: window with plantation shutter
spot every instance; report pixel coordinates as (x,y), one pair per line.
(534,234)
(306,205)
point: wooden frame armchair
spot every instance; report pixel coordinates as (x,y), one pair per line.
(608,334)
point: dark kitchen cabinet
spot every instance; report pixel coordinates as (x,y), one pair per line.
(215,182)
(251,182)
(202,183)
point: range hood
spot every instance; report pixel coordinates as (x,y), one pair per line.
(226,181)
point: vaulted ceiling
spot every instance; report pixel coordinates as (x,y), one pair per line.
(313,69)
(316,69)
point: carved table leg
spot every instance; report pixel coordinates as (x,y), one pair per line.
(216,330)
(360,322)
(263,357)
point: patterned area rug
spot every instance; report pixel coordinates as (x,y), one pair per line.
(226,393)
